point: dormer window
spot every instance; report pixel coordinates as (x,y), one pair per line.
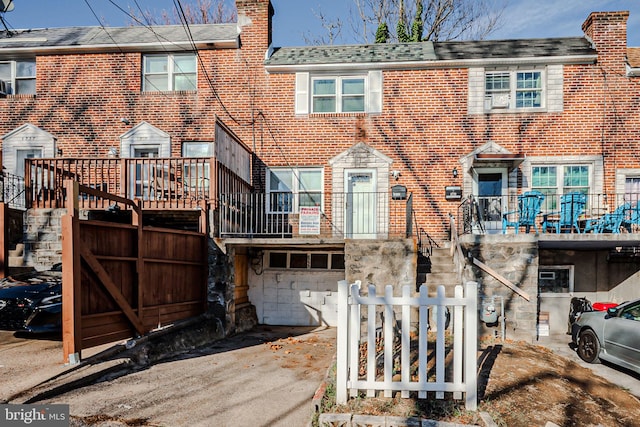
(19,77)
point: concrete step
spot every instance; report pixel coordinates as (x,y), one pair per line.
(445,279)
(18,251)
(15,261)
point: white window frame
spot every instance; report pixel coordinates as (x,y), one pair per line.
(171,72)
(11,83)
(570,268)
(296,190)
(339,95)
(559,187)
(372,91)
(505,99)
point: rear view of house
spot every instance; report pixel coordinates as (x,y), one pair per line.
(310,165)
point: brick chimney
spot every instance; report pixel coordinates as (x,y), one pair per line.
(608,33)
(254,19)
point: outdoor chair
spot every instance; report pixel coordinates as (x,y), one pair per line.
(631,220)
(571,207)
(609,222)
(529,205)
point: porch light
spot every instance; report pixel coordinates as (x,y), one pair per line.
(455,172)
(113,152)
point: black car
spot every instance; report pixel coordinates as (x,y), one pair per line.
(32,302)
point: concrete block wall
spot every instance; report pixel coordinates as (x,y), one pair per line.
(42,238)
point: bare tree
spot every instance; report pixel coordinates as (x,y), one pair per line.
(332,28)
(435,20)
(194,12)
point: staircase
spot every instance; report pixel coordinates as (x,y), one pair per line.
(442,271)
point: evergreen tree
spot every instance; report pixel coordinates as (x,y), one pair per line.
(382,33)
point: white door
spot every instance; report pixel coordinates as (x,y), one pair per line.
(360,204)
(144,174)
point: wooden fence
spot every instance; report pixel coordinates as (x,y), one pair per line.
(123,280)
(385,358)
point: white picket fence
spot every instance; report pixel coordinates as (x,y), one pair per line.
(354,308)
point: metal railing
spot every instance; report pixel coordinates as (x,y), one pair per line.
(480,215)
(13,190)
(340,215)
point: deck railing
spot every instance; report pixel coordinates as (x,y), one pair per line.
(480,215)
(156,183)
(339,215)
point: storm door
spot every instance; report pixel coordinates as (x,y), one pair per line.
(144,171)
(491,190)
(360,204)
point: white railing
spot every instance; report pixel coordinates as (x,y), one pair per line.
(359,360)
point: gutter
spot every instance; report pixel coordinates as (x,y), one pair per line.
(110,48)
(433,64)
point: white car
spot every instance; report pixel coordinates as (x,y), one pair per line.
(612,335)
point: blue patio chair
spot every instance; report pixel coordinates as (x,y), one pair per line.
(609,222)
(631,220)
(529,205)
(571,207)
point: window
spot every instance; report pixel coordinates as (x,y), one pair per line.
(514,89)
(555,180)
(196,173)
(324,93)
(338,94)
(306,260)
(555,279)
(632,189)
(19,76)
(290,188)
(169,72)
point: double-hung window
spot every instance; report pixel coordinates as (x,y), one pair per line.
(169,72)
(338,94)
(556,180)
(290,188)
(19,77)
(353,93)
(514,89)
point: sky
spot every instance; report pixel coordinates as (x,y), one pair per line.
(295,18)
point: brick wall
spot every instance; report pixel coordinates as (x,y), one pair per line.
(424,126)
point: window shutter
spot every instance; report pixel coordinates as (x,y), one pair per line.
(475,100)
(374,101)
(555,76)
(302,93)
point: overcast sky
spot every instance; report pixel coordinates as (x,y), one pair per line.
(294,18)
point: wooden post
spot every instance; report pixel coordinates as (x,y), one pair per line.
(124,180)
(71,308)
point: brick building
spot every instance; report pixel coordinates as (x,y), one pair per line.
(361,155)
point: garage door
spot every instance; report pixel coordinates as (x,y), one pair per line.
(297,288)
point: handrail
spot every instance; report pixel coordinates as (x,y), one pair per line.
(459,260)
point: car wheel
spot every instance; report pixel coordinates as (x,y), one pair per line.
(588,346)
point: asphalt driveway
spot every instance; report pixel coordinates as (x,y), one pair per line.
(265,377)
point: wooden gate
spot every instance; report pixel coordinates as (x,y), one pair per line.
(123,280)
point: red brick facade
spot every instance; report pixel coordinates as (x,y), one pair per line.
(425,126)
